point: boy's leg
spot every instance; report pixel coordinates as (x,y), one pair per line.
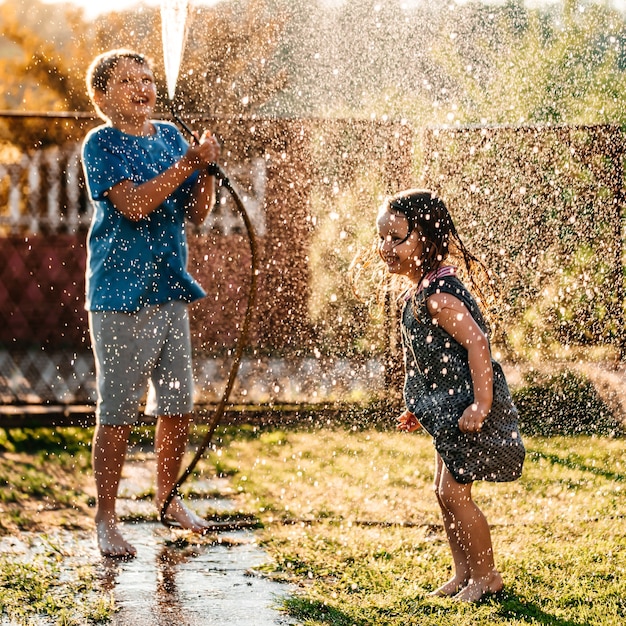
(170,442)
(108,454)
(473,536)
(121,379)
(170,397)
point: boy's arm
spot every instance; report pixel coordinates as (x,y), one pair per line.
(203,198)
(203,192)
(453,316)
(137,201)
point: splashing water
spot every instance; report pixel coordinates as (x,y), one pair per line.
(174,19)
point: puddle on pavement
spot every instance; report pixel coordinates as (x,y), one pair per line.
(196,584)
(177,579)
(172,582)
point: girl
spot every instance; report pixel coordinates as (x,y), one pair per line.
(453,387)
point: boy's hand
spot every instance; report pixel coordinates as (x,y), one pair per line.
(408,422)
(204,152)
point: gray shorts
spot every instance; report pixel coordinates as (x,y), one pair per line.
(134,351)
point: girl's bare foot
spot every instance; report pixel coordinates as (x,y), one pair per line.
(479,588)
(181,516)
(111,542)
(451,588)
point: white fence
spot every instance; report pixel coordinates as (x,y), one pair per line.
(44,192)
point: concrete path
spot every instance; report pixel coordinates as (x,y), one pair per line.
(179,579)
(194,585)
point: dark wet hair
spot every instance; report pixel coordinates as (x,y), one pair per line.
(427,214)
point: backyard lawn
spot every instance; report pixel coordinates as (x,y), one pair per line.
(348,515)
(365,544)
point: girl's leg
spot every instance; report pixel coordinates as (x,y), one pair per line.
(461,566)
(170,442)
(473,537)
(108,454)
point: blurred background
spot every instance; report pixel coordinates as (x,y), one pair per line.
(513,112)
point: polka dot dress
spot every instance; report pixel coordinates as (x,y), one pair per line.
(438,388)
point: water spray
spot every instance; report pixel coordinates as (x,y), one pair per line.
(174,18)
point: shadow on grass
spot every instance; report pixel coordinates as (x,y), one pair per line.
(574,462)
(514,607)
(302,609)
(507,605)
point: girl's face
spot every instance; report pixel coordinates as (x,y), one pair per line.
(402,254)
(130,96)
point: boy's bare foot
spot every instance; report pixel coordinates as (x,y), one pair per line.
(180,515)
(481,587)
(111,542)
(451,588)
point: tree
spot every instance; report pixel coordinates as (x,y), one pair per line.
(226,70)
(40,70)
(512,65)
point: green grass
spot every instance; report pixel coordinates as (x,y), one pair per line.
(47,581)
(42,474)
(350,517)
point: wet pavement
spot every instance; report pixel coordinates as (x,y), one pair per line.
(172,581)
(177,578)
(172,584)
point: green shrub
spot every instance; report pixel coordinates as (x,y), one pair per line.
(564,403)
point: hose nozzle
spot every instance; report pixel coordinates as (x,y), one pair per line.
(212,168)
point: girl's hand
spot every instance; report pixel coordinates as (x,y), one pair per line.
(408,422)
(473,417)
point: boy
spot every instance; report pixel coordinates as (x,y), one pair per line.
(144,180)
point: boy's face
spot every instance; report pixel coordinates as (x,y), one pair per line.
(130,95)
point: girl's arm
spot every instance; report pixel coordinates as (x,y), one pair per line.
(137,201)
(453,316)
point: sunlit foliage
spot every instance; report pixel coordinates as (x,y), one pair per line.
(519,66)
(227,68)
(41,67)
(441,62)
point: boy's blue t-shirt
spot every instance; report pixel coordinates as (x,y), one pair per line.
(134,264)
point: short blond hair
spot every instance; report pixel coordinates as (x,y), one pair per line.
(101,68)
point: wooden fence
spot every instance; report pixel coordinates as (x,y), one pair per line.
(275,164)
